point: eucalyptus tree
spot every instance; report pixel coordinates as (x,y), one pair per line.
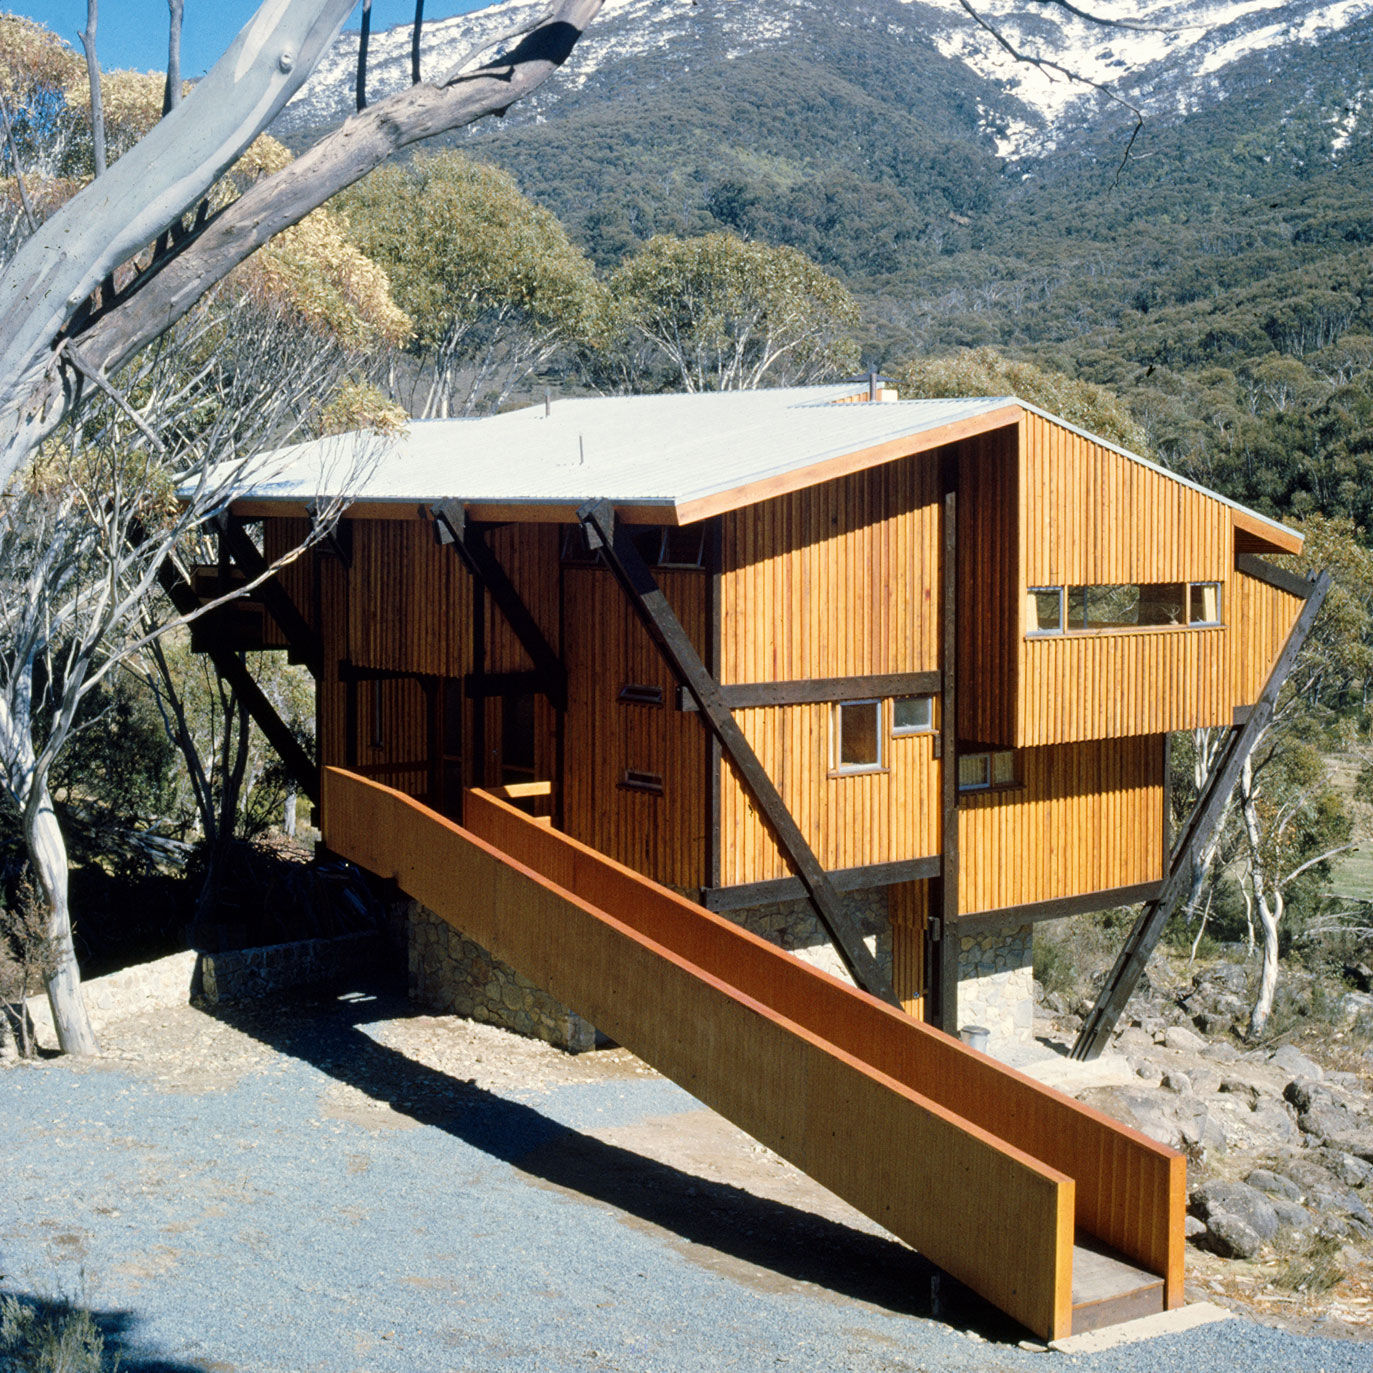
(491,280)
(727,315)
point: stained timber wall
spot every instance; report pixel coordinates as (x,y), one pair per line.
(839,580)
(1265,616)
(1087,817)
(605,649)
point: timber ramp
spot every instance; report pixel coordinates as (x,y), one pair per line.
(1062,1217)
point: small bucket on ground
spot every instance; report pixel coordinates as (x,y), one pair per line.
(975,1037)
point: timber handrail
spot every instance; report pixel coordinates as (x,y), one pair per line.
(1131,1190)
(908,1125)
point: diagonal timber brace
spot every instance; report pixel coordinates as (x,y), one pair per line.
(1201,825)
(235,671)
(664,628)
(450,520)
(300,634)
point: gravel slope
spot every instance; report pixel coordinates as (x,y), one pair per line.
(347,1186)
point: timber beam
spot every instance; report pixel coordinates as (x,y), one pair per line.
(235,671)
(652,607)
(453,527)
(816,690)
(300,634)
(1201,825)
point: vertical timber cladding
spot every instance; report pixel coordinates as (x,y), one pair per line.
(988,619)
(402,605)
(1267,615)
(661,834)
(529,555)
(838,580)
(1086,817)
(1091,516)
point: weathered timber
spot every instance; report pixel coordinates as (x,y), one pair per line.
(235,671)
(749,894)
(811,691)
(681,656)
(943,939)
(454,528)
(1270,573)
(1007,917)
(1201,824)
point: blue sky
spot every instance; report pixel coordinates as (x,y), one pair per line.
(133,33)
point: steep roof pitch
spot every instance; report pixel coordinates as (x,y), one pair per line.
(671,459)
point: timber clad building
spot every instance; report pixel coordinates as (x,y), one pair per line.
(887,681)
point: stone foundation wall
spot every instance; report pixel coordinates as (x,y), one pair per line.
(794,926)
(457,976)
(243,974)
(996,985)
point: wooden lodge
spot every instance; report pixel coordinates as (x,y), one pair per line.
(792,646)
(625,693)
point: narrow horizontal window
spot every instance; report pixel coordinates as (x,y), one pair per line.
(912,715)
(1205,603)
(856,736)
(650,782)
(988,770)
(1121,605)
(1045,610)
(633,694)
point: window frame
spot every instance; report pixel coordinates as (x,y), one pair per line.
(1220,604)
(1062,594)
(838,768)
(989,756)
(905,731)
(1086,627)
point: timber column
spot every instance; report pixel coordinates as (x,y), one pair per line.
(942,928)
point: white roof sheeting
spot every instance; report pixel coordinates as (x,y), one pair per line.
(669,450)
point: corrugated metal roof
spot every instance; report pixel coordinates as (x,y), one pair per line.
(668,450)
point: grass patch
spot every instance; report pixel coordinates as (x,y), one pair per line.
(50,1337)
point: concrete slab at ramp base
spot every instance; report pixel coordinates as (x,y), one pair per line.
(1146,1328)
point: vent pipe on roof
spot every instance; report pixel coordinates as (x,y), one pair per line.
(547,401)
(876,388)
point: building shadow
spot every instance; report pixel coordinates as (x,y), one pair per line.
(771,1235)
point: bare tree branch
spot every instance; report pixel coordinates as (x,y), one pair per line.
(87,36)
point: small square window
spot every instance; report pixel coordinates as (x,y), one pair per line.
(634,780)
(856,736)
(1205,603)
(912,715)
(1045,610)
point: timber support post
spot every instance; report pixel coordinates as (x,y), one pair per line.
(1201,825)
(943,939)
(235,671)
(300,634)
(453,527)
(604,532)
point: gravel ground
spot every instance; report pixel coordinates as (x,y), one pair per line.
(348,1185)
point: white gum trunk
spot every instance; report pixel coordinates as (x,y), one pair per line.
(48,854)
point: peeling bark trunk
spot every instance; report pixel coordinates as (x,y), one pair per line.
(48,855)
(1267,901)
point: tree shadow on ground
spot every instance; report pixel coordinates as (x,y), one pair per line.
(56,1334)
(771,1235)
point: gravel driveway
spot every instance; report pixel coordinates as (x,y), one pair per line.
(349,1185)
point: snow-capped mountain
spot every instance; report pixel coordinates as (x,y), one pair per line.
(1165,57)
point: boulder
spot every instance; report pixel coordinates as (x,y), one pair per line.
(1292,1061)
(1291,1216)
(1359,976)
(1238,1199)
(1348,1168)
(1221,1051)
(1304,1093)
(1180,1038)
(1230,1237)
(1355,1006)
(1192,1228)
(1176,1082)
(1273,1120)
(1275,1184)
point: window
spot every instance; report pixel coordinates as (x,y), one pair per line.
(987,771)
(912,715)
(682,547)
(1045,610)
(1125,605)
(576,551)
(1205,603)
(649,782)
(856,736)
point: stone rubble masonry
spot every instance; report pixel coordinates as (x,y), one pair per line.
(996,986)
(234,976)
(454,975)
(794,926)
